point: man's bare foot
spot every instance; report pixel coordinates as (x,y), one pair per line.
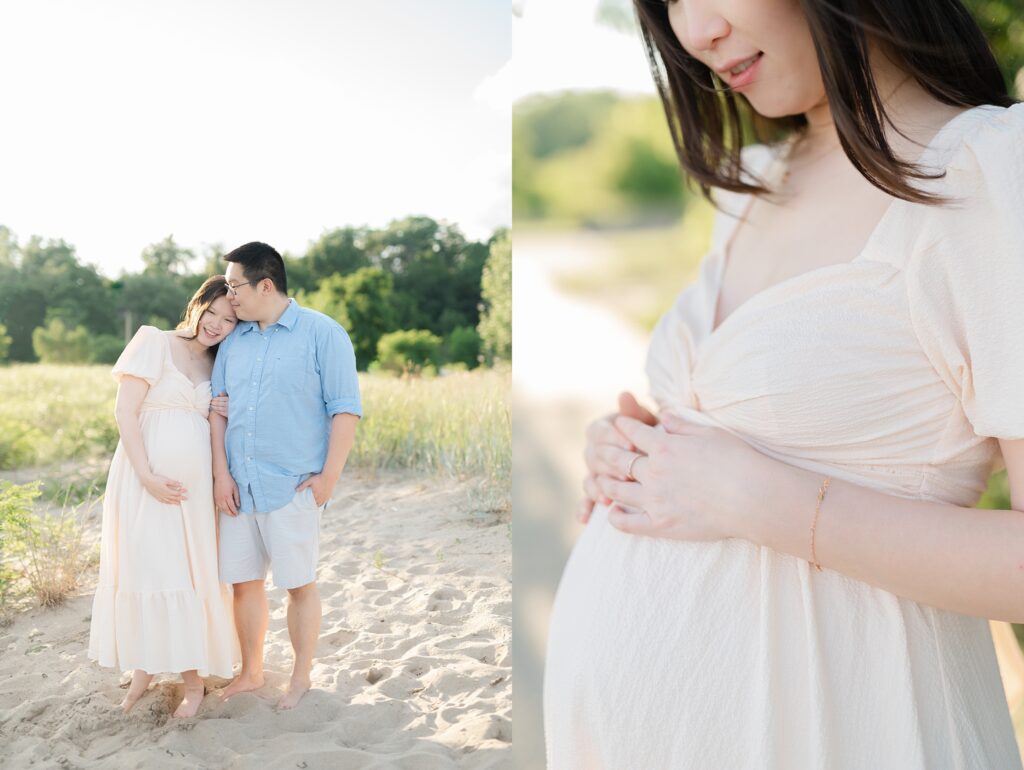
(189,705)
(242,683)
(138,687)
(296,689)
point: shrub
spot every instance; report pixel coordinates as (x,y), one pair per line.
(106,348)
(411,351)
(463,346)
(50,551)
(15,506)
(57,344)
(5,344)
(18,442)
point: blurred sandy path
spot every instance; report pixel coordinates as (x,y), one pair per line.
(571,360)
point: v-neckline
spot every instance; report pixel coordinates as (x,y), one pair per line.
(174,366)
(772,172)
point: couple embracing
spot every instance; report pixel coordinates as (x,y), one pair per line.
(205,493)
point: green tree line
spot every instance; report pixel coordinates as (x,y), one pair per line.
(417,284)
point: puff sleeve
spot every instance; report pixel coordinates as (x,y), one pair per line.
(965,277)
(143,357)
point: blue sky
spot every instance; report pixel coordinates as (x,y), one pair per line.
(233,121)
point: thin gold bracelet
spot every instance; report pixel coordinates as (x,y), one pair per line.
(814,524)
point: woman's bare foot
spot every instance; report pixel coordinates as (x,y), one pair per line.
(296,689)
(138,687)
(242,683)
(189,705)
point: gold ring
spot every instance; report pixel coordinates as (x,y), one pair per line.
(629,470)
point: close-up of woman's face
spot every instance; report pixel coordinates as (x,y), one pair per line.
(217,321)
(761,49)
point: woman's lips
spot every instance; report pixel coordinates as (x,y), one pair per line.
(745,78)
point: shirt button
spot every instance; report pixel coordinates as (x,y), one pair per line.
(250,434)
(259,359)
(250,408)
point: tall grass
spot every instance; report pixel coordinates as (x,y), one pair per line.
(50,413)
(457,424)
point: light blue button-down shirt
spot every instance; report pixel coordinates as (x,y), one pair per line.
(284,384)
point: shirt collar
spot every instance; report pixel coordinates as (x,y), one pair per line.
(287,319)
(290,315)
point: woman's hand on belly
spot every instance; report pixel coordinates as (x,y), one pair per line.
(688,482)
(601,436)
(165,490)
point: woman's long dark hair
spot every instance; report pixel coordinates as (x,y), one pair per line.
(936,42)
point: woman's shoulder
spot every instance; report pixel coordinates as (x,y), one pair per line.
(972,242)
(984,149)
(143,356)
(149,335)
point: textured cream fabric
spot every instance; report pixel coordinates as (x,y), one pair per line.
(894,371)
(159,605)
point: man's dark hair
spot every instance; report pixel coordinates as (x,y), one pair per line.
(259,261)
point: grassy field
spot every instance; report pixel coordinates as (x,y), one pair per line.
(57,424)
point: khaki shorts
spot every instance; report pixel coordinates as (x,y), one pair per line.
(287,540)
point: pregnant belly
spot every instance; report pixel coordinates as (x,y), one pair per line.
(728,654)
(658,633)
(178,444)
(648,602)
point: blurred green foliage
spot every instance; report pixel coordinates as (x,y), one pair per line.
(414,273)
(56,343)
(495,327)
(610,162)
(361,302)
(1002,21)
(410,351)
(5,344)
(462,346)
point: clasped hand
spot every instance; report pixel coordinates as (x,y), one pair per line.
(682,481)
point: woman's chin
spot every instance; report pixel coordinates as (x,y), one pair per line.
(774,108)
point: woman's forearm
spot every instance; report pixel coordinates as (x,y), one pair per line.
(131,439)
(966,560)
(218,427)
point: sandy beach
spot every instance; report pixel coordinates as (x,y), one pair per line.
(413,669)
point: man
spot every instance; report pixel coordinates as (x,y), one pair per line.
(293,404)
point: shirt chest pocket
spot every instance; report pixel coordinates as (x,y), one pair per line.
(292,368)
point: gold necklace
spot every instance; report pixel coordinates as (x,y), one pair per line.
(789,158)
(188,348)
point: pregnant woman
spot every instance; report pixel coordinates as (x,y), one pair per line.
(782,568)
(159,606)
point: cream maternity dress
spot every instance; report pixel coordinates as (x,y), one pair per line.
(896,371)
(159,605)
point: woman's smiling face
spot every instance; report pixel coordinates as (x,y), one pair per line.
(760,48)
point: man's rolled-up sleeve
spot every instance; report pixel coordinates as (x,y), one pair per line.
(338,377)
